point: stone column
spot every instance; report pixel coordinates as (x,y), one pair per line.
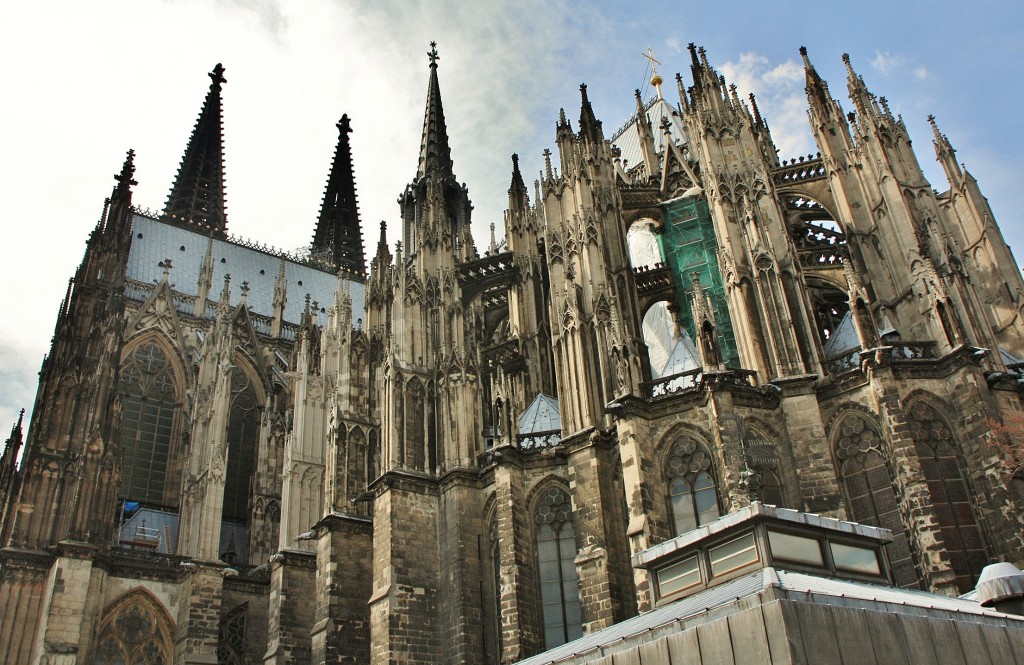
(460,533)
(403,606)
(344,582)
(60,637)
(199,608)
(292,607)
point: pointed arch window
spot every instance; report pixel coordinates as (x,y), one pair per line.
(951,498)
(231,637)
(149,406)
(870,494)
(243,442)
(693,498)
(556,554)
(135,631)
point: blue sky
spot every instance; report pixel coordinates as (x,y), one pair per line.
(83,82)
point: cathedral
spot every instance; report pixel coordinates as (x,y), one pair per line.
(436,453)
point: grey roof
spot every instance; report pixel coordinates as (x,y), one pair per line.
(153,241)
(627,139)
(843,338)
(804,587)
(541,416)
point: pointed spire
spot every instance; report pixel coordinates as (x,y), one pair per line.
(816,89)
(518,198)
(338,233)
(383,257)
(197,196)
(435,153)
(118,214)
(9,458)
(945,154)
(590,126)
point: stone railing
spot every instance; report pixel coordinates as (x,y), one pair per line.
(803,169)
(682,382)
(844,361)
(540,440)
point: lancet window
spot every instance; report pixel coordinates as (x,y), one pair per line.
(693,498)
(940,465)
(870,495)
(243,442)
(135,631)
(149,407)
(556,553)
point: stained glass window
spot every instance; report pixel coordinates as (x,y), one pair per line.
(869,491)
(693,499)
(951,500)
(243,442)
(556,553)
(135,631)
(149,405)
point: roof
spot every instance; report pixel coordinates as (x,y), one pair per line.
(627,139)
(762,586)
(154,240)
(541,416)
(843,338)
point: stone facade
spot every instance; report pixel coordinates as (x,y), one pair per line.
(307,462)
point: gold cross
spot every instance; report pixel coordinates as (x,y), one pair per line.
(650,56)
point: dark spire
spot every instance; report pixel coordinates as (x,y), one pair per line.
(8,461)
(198,192)
(435,153)
(337,231)
(518,197)
(590,126)
(118,219)
(816,89)
(383,257)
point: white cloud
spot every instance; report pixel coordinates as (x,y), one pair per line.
(921,73)
(778,88)
(886,63)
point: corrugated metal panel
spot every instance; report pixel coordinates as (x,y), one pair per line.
(161,241)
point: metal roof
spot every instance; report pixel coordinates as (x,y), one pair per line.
(541,416)
(627,139)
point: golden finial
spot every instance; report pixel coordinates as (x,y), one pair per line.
(656,79)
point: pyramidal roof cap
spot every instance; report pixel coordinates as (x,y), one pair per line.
(197,196)
(435,153)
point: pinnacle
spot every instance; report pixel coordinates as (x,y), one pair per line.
(338,232)
(435,152)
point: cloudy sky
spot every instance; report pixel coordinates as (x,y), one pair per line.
(84,81)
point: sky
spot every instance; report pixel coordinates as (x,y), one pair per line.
(82,82)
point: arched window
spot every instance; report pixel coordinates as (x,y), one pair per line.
(693,499)
(870,496)
(149,405)
(231,637)
(556,554)
(951,499)
(243,442)
(134,631)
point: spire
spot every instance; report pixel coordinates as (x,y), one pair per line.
(945,154)
(518,197)
(198,192)
(817,90)
(435,153)
(13,444)
(645,133)
(338,233)
(590,126)
(383,257)
(118,220)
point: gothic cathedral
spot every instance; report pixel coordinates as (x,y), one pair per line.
(451,456)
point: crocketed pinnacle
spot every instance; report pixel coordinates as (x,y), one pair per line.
(590,126)
(518,197)
(817,90)
(338,233)
(435,153)
(197,196)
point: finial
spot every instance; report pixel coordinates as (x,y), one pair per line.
(343,125)
(127,171)
(432,54)
(656,79)
(807,61)
(561,118)
(693,54)
(217,75)
(547,159)
(849,67)
(245,290)
(757,112)
(583,91)
(166,265)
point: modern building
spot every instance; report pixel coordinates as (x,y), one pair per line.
(447,456)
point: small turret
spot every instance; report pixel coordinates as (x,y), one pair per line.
(945,154)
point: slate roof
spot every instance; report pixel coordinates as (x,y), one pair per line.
(541,416)
(627,139)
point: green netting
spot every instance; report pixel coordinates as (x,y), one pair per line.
(689,245)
